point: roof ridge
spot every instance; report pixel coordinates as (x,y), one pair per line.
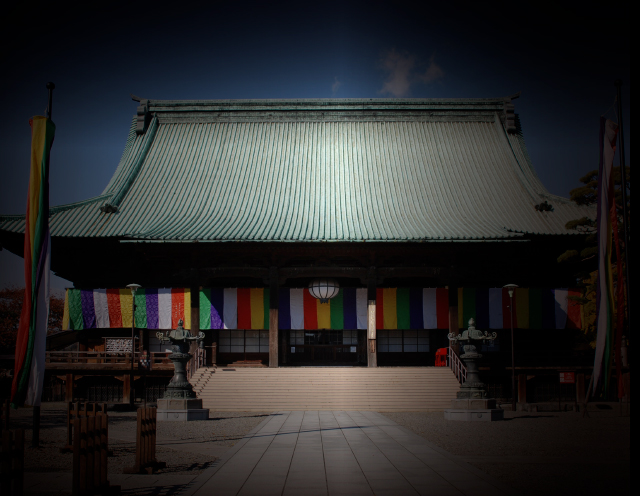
(341,100)
(58,208)
(155,105)
(124,188)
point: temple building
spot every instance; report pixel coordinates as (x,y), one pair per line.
(414,212)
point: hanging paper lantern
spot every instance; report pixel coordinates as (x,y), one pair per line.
(324,289)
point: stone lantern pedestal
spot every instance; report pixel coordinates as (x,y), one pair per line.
(472,403)
(179,402)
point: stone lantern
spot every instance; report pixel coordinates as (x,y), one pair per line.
(472,401)
(179,401)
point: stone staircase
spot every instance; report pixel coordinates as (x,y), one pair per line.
(384,389)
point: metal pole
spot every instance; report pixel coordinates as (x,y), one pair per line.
(625,217)
(513,361)
(133,288)
(132,396)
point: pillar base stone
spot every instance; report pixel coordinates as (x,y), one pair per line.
(181,410)
(474,414)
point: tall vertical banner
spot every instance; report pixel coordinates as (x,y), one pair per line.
(32,333)
(604,286)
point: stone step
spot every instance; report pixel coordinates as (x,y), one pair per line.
(326,388)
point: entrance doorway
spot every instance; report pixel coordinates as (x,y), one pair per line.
(324,347)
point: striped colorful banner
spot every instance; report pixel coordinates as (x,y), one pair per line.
(248,308)
(100,308)
(234,308)
(412,308)
(28,376)
(534,308)
(297,309)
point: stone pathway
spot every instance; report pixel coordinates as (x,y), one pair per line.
(339,453)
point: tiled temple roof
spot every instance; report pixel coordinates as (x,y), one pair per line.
(319,170)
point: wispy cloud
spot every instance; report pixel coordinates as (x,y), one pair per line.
(399,67)
(433,72)
(335,86)
(404,70)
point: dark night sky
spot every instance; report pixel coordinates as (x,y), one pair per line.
(563,58)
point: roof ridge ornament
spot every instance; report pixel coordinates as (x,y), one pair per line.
(509,116)
(143,115)
(107,208)
(509,113)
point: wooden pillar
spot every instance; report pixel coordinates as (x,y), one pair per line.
(68,383)
(580,392)
(372,351)
(126,388)
(195,322)
(453,316)
(273,317)
(283,346)
(522,388)
(195,310)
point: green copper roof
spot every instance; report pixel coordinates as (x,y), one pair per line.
(311,170)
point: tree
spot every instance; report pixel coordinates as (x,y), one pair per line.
(10,310)
(585,256)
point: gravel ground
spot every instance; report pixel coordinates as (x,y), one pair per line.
(539,453)
(222,429)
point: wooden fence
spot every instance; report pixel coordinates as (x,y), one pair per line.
(146,443)
(90,452)
(76,410)
(12,475)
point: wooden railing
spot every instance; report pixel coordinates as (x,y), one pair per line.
(199,361)
(459,368)
(86,357)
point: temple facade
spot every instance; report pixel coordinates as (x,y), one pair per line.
(225,211)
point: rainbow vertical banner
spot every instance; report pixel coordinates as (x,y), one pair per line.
(32,332)
(604,285)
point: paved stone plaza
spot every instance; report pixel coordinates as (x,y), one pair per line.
(340,453)
(351,452)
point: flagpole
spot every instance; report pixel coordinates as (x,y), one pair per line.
(50,87)
(623,180)
(35,438)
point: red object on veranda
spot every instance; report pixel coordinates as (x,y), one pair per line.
(441,357)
